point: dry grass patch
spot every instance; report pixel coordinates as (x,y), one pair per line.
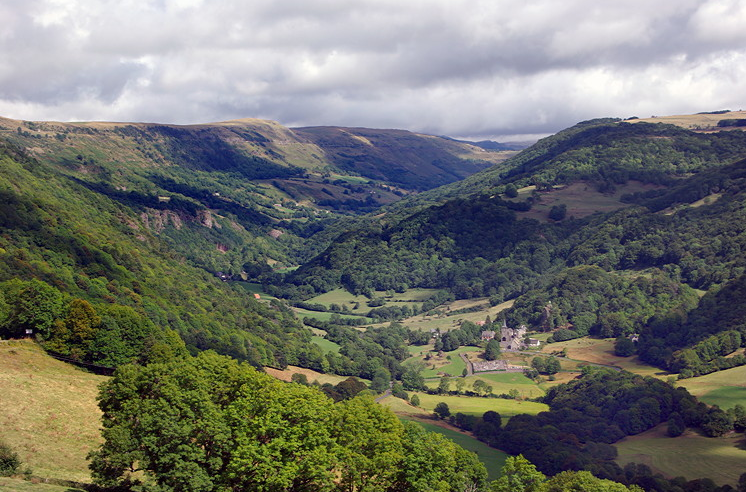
(695,121)
(48,411)
(310,374)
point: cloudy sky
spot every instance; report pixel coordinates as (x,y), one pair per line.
(476,68)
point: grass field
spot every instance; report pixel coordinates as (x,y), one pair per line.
(601,351)
(582,199)
(691,456)
(18,485)
(437,364)
(326,345)
(502,383)
(493,459)
(311,375)
(444,322)
(342,297)
(723,388)
(477,406)
(48,411)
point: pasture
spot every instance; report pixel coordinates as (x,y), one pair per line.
(477,406)
(493,459)
(326,345)
(450,362)
(501,382)
(48,412)
(690,456)
(443,320)
(581,198)
(311,375)
(723,388)
(601,351)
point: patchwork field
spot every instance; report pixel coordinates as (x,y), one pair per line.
(691,455)
(48,412)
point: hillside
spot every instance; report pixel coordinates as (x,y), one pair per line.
(48,411)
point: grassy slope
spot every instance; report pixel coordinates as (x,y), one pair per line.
(691,455)
(723,388)
(477,406)
(493,459)
(48,411)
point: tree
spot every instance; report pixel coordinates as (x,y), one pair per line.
(300,378)
(519,475)
(34,305)
(624,347)
(552,366)
(511,191)
(492,351)
(415,400)
(460,383)
(381,380)
(442,411)
(676,425)
(445,385)
(479,386)
(558,212)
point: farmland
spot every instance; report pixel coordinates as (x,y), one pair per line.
(690,455)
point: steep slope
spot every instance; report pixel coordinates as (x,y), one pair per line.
(478,244)
(62,240)
(238,195)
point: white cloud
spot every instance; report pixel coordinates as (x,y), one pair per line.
(477,67)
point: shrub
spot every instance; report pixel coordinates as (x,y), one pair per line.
(9,461)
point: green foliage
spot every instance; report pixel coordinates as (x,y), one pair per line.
(9,461)
(63,240)
(415,400)
(209,423)
(442,411)
(492,351)
(624,346)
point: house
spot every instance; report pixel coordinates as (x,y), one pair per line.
(488,335)
(533,342)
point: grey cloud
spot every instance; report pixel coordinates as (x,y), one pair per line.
(482,67)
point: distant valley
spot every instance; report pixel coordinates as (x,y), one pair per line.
(389,264)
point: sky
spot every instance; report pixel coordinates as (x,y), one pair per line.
(476,69)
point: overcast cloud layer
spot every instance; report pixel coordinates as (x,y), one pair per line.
(476,68)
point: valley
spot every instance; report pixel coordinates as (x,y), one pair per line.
(335,267)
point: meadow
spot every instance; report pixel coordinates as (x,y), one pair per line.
(493,459)
(723,388)
(48,412)
(477,406)
(690,456)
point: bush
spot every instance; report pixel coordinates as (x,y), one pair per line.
(9,461)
